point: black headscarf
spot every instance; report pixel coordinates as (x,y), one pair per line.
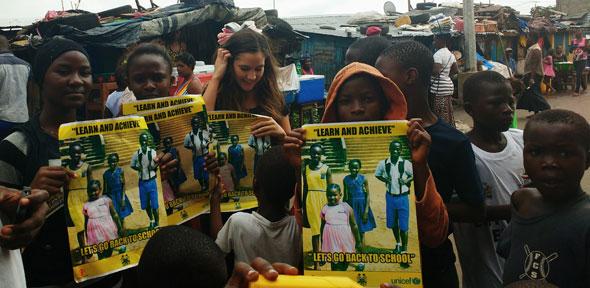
(51,51)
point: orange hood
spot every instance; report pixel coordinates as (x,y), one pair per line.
(397,109)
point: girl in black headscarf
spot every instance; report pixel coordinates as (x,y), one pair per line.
(62,71)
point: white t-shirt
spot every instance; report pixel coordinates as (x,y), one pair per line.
(251,235)
(142,160)
(393,187)
(501,175)
(12,273)
(442,85)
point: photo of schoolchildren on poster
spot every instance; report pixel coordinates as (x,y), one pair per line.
(358,203)
(186,135)
(237,151)
(114,200)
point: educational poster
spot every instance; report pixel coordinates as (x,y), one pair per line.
(184,133)
(135,107)
(237,151)
(114,201)
(358,203)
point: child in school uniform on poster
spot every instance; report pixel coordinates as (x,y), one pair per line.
(356,194)
(114,187)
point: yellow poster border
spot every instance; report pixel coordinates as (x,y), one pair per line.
(76,130)
(142,106)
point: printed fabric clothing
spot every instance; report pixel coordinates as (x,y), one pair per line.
(100,227)
(358,201)
(14,76)
(183,88)
(397,174)
(316,183)
(199,142)
(78,195)
(442,106)
(236,158)
(337,235)
(113,187)
(442,85)
(144,161)
(501,175)
(553,248)
(251,235)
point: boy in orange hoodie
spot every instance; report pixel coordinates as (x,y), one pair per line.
(359,92)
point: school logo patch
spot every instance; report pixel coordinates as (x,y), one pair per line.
(536,264)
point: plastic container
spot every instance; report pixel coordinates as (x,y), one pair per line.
(205,77)
(311,88)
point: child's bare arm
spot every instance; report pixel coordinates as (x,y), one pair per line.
(368,199)
(420,146)
(355,230)
(215,207)
(329,177)
(116,218)
(345,195)
(497,212)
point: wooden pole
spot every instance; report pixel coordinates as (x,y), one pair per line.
(469,33)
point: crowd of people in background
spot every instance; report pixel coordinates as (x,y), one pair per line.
(511,198)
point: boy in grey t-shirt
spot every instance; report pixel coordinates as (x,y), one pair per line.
(548,241)
(277,235)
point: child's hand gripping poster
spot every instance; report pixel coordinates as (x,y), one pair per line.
(183,132)
(237,151)
(358,203)
(114,201)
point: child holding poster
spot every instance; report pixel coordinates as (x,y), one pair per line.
(143,161)
(198,142)
(339,230)
(101,222)
(316,178)
(356,194)
(114,188)
(235,153)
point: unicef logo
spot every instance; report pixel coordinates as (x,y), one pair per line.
(416,281)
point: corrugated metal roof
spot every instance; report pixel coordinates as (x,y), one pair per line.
(324,25)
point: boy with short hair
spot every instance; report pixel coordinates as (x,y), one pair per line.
(397,200)
(269,232)
(198,141)
(143,161)
(409,64)
(548,240)
(498,154)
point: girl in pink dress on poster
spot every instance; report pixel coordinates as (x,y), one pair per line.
(100,218)
(339,230)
